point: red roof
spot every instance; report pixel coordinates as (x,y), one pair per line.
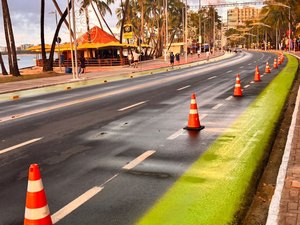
(97,35)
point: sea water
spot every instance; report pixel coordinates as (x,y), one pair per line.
(24,60)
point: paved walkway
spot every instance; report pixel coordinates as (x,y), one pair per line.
(285,204)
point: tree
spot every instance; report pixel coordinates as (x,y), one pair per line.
(10,41)
(48,63)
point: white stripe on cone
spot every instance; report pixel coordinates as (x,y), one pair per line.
(37,214)
(193,111)
(193,101)
(35,185)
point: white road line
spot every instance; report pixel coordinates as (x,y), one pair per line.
(176,134)
(230,97)
(20,145)
(241,67)
(211,77)
(138,160)
(229,71)
(217,106)
(179,89)
(75,204)
(262,75)
(249,64)
(252,82)
(131,106)
(246,86)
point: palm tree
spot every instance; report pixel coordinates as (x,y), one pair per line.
(103,8)
(48,63)
(3,69)
(10,41)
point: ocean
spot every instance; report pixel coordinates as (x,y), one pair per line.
(24,60)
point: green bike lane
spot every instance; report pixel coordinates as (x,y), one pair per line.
(216,188)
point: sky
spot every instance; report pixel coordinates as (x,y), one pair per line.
(25,16)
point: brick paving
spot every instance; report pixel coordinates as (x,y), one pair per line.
(285,205)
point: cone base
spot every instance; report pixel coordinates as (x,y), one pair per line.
(238,95)
(194,128)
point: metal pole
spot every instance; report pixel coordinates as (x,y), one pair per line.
(289,28)
(186,32)
(71,41)
(59,63)
(200,37)
(214,30)
(75,41)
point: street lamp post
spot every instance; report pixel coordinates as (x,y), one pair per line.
(59,63)
(186,31)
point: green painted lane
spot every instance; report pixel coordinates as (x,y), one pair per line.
(216,186)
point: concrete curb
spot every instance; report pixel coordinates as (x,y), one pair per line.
(275,202)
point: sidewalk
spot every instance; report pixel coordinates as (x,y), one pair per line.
(93,73)
(285,204)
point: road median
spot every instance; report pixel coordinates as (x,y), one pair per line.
(215,188)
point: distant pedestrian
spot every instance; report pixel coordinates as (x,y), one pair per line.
(129,58)
(172,58)
(177,57)
(82,65)
(207,55)
(135,59)
(199,52)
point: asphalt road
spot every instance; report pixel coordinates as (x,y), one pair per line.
(119,146)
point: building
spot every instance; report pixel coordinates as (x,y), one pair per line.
(237,17)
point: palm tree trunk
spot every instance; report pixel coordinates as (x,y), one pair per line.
(60,13)
(48,66)
(96,15)
(42,32)
(4,72)
(10,40)
(107,25)
(124,18)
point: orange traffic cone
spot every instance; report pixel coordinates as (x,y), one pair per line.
(237,87)
(257,75)
(268,69)
(36,210)
(194,122)
(275,66)
(279,60)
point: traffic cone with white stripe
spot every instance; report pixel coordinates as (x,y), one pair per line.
(279,60)
(268,69)
(257,75)
(237,87)
(36,210)
(194,122)
(275,65)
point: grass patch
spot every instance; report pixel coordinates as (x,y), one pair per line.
(215,187)
(6,79)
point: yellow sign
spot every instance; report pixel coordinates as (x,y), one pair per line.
(127,31)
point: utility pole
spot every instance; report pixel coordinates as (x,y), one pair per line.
(186,32)
(75,41)
(200,37)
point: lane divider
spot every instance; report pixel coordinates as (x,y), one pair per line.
(185,87)
(66,210)
(246,86)
(20,145)
(132,106)
(217,106)
(228,98)
(212,78)
(76,203)
(138,160)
